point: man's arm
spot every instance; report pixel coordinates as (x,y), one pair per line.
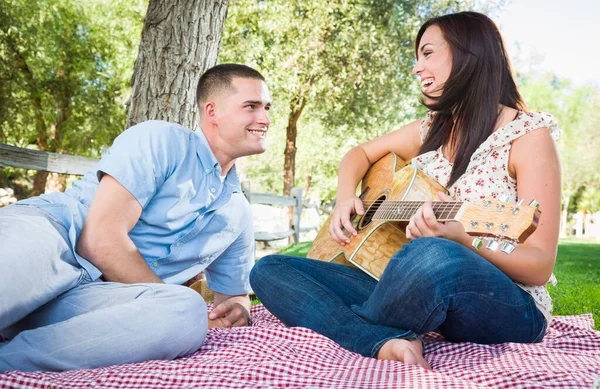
(105,240)
(230,311)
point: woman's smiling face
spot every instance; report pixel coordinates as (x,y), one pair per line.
(434,61)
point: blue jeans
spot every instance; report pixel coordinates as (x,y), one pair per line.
(431,284)
(58,319)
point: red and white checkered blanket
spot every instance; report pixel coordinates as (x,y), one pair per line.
(269,355)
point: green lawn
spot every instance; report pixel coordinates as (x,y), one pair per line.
(577,270)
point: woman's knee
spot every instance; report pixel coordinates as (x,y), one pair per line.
(263,270)
(433,254)
(426,264)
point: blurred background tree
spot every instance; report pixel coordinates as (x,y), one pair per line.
(65,66)
(340,74)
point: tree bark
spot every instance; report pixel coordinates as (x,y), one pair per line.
(289,165)
(180,40)
(39,180)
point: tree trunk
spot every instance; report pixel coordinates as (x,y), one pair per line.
(39,180)
(289,164)
(39,183)
(308,183)
(180,40)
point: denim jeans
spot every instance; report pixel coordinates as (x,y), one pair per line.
(431,284)
(58,319)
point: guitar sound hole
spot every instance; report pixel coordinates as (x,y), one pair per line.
(368,217)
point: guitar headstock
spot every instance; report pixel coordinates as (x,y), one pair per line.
(499,220)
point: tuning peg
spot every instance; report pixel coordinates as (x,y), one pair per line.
(520,202)
(504,198)
(534,203)
(507,247)
(492,244)
(477,243)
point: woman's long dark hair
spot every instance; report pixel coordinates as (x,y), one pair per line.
(480,80)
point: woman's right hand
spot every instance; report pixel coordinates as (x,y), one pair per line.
(341,219)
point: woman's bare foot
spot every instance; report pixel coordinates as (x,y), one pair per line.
(407,351)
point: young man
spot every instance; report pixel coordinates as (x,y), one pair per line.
(92,277)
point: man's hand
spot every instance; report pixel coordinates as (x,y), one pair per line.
(230,311)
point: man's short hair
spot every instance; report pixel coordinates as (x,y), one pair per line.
(219,78)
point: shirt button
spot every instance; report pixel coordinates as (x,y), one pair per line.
(212,190)
(155,264)
(207,171)
(178,244)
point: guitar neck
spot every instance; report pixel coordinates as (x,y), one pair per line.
(396,210)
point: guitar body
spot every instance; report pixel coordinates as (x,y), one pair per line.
(377,241)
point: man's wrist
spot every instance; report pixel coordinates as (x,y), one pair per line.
(245,312)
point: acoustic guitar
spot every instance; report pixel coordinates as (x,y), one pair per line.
(392,191)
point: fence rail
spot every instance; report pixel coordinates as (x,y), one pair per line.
(42,160)
(12,156)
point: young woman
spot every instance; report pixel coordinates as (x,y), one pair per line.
(478,140)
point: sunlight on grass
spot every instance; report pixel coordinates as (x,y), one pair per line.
(297,249)
(578,273)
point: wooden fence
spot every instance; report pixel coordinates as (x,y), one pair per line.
(70,164)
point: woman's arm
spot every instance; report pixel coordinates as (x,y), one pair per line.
(534,162)
(404,142)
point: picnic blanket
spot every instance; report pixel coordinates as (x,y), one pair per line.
(270,355)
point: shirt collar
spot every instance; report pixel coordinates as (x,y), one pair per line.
(210,163)
(207,158)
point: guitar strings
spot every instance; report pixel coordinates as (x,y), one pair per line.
(399,209)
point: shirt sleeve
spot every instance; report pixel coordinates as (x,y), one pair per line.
(229,273)
(143,157)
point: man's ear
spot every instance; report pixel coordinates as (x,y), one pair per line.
(209,112)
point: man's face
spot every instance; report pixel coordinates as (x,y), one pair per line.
(242,117)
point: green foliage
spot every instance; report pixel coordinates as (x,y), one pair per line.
(590,199)
(348,61)
(64,69)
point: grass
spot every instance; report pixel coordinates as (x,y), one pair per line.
(577,270)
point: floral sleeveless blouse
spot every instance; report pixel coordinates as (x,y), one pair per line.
(487,175)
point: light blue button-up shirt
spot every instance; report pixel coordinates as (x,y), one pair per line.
(191,220)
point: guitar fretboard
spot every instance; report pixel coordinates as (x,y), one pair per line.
(404,210)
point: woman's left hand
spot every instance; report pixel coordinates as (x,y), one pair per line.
(424,223)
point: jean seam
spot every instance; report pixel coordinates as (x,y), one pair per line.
(47,215)
(339,272)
